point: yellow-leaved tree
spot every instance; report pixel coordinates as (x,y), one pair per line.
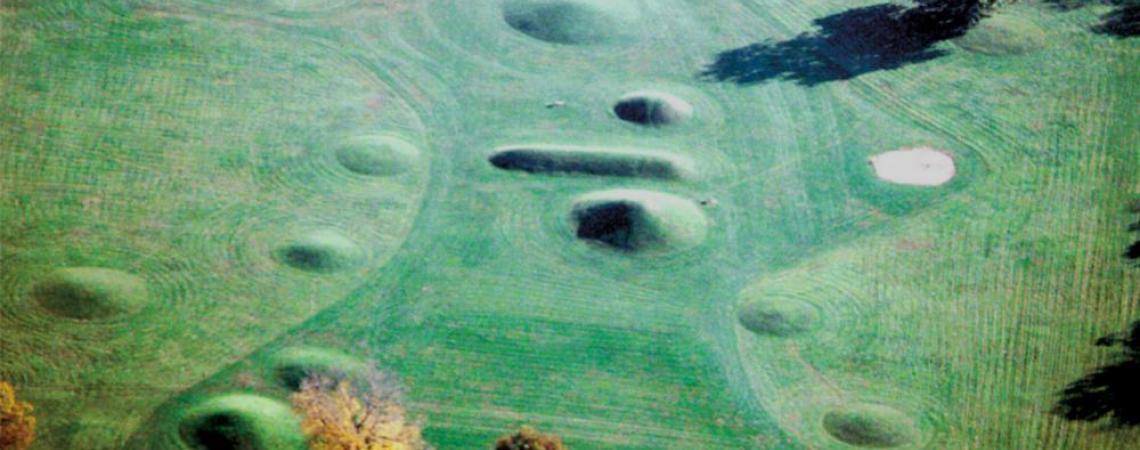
(342,414)
(528,438)
(17,426)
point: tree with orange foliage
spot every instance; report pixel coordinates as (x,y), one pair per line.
(528,438)
(367,415)
(17,426)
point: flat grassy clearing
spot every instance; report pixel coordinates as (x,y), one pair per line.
(195,144)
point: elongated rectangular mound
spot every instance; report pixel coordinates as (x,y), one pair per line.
(552,159)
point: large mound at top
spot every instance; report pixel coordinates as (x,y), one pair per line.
(291,365)
(593,161)
(320,251)
(919,166)
(90,292)
(241,422)
(574,22)
(377,155)
(637,220)
(869,425)
(652,108)
(1003,35)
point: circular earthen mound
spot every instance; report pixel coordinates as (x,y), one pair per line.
(90,293)
(292,365)
(1003,35)
(320,251)
(241,422)
(920,166)
(870,425)
(571,22)
(652,108)
(778,317)
(377,155)
(638,221)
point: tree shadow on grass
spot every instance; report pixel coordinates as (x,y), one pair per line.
(1111,391)
(1122,22)
(848,44)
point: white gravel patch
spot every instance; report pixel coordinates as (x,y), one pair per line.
(919,166)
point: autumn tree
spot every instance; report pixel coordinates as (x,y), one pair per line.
(17,426)
(339,413)
(528,438)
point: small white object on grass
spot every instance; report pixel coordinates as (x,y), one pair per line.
(555,104)
(919,166)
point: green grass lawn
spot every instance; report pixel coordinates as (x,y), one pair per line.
(307,182)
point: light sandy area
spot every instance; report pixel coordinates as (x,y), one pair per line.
(919,166)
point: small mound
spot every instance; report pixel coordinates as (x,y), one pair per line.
(652,108)
(571,22)
(377,155)
(1003,35)
(779,317)
(914,166)
(241,422)
(90,293)
(639,221)
(549,159)
(293,364)
(869,425)
(320,251)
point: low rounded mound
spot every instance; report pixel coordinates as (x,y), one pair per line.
(90,293)
(920,166)
(241,422)
(549,159)
(652,108)
(571,22)
(377,155)
(870,425)
(1003,35)
(778,317)
(639,221)
(292,365)
(320,251)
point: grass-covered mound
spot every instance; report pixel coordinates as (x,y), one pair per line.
(320,251)
(639,221)
(241,422)
(780,317)
(870,425)
(549,159)
(291,365)
(652,108)
(1003,35)
(377,155)
(572,22)
(90,292)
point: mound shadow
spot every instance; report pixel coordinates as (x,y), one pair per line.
(849,44)
(241,422)
(1110,392)
(780,317)
(653,109)
(322,251)
(292,365)
(634,221)
(89,293)
(587,161)
(568,22)
(869,425)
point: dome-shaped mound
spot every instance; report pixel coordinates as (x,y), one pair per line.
(780,317)
(90,293)
(572,22)
(639,221)
(320,251)
(377,155)
(652,108)
(291,365)
(557,159)
(241,422)
(870,425)
(1003,35)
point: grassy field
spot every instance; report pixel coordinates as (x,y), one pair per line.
(226,188)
